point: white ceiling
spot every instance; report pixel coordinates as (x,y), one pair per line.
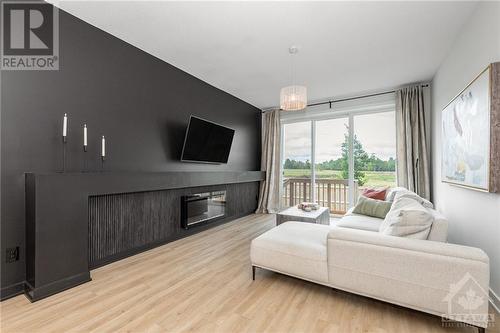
(346,48)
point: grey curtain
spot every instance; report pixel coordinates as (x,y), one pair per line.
(412,158)
(270,162)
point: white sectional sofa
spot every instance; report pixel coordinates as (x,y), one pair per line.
(424,275)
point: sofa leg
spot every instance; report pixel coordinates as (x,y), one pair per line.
(253,273)
(481,329)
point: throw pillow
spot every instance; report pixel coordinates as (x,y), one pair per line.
(407,218)
(394,192)
(374,193)
(391,193)
(412,195)
(372,207)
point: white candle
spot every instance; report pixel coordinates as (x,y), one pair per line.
(65,125)
(85,134)
(103,148)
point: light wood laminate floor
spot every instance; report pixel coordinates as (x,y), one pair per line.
(203,283)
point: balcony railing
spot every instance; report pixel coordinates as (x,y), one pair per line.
(331,193)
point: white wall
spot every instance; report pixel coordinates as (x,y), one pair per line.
(474,216)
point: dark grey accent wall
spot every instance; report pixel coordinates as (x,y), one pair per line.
(140,103)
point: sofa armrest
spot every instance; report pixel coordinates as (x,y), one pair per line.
(419,274)
(409,244)
(349,211)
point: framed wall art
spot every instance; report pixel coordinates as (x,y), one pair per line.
(470,152)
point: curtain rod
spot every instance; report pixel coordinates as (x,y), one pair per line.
(331,101)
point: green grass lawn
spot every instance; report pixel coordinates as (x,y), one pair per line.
(373,178)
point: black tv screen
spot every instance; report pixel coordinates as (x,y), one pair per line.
(206,142)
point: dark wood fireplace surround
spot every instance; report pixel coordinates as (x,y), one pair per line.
(79,221)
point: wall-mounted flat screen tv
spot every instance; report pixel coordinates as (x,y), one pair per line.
(206,142)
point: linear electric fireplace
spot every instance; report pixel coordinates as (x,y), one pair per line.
(201,208)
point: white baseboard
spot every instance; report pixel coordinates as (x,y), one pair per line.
(495,301)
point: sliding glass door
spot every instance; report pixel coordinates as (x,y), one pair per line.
(331,164)
(375,150)
(330,160)
(296,163)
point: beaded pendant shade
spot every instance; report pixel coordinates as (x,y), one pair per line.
(293,97)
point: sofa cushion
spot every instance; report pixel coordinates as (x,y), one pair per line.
(294,248)
(362,222)
(407,218)
(372,207)
(438,232)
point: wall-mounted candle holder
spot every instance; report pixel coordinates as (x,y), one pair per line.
(64,141)
(85,166)
(85,161)
(103,152)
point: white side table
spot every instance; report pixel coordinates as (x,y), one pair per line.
(320,216)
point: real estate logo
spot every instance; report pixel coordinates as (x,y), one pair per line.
(467,303)
(30,36)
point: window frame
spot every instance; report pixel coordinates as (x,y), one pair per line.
(361,106)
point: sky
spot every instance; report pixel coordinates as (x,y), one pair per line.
(377,133)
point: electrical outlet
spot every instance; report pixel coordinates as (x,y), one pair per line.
(12,254)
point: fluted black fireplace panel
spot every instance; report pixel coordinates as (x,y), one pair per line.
(121,222)
(128,223)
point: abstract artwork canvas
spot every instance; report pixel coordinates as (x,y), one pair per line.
(465,150)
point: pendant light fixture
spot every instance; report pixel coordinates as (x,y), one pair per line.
(294,97)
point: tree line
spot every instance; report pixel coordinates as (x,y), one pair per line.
(362,162)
